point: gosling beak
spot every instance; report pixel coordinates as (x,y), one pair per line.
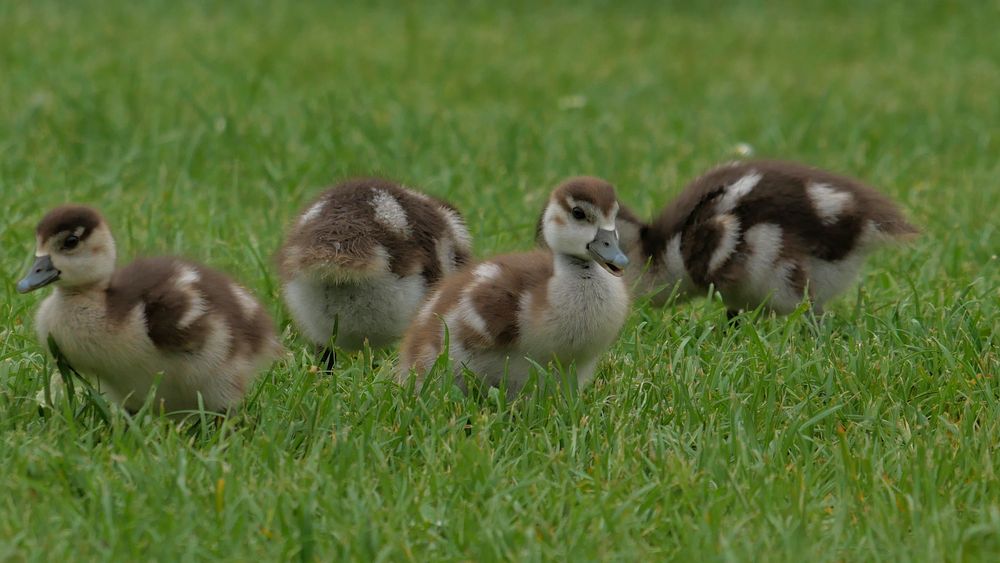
(41,274)
(605,251)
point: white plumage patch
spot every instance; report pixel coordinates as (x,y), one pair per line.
(487,271)
(444,249)
(196,308)
(186,278)
(764,240)
(673,258)
(184,282)
(828,202)
(467,312)
(737,191)
(730,226)
(428,306)
(525,307)
(312,212)
(458,228)
(390,213)
(246,301)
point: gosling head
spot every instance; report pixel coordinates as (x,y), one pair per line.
(579,221)
(73,249)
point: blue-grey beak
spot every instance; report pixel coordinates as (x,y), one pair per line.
(605,251)
(41,274)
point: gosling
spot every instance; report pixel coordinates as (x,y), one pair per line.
(204,337)
(360,259)
(566,304)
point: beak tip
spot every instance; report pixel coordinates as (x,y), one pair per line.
(41,274)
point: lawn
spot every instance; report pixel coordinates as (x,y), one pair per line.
(200,128)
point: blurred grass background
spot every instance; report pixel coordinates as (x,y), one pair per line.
(199,128)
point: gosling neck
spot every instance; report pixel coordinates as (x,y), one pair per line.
(569,265)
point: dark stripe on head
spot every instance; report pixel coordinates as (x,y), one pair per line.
(68,218)
(595,191)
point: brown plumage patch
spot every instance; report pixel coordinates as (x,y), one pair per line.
(497,301)
(68,218)
(470,338)
(600,193)
(151,283)
(346,234)
(700,239)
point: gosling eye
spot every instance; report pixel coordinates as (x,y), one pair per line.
(578,214)
(71,242)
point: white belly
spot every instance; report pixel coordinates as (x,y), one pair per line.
(829,279)
(378,309)
(582,320)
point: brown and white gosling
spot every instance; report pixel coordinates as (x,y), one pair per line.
(565,304)
(123,328)
(762,233)
(362,257)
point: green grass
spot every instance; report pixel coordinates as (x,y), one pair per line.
(201,128)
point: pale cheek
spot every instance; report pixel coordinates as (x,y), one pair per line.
(571,236)
(59,262)
(584,234)
(71,266)
(575,238)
